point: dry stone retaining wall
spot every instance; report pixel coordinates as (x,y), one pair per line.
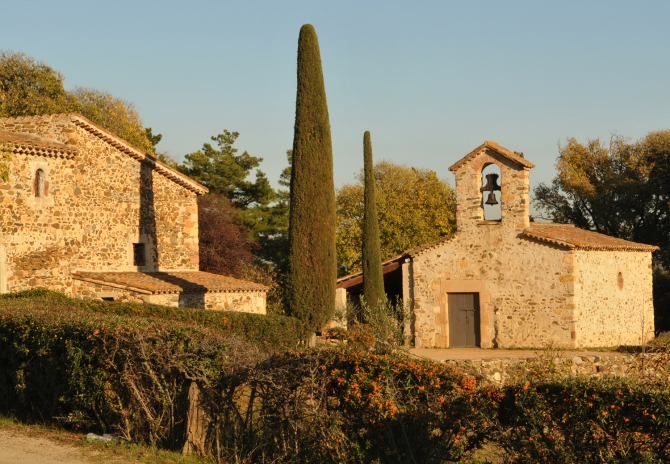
(509,370)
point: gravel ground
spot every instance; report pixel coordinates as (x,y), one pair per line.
(18,448)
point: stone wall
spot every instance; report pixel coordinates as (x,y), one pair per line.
(524,301)
(532,293)
(247,302)
(510,370)
(515,190)
(615,302)
(99,203)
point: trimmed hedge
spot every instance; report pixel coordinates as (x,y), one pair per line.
(269,332)
(130,374)
(107,373)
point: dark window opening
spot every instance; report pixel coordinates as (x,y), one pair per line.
(138,254)
(40,184)
(107,298)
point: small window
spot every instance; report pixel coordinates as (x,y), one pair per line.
(40,184)
(107,298)
(138,254)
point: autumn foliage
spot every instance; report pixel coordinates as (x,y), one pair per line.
(414,207)
(224,245)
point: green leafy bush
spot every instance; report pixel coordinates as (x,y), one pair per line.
(586,421)
(269,332)
(125,369)
(334,406)
(108,372)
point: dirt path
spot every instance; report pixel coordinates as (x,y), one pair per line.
(16,447)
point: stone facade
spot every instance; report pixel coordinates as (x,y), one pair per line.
(241,301)
(537,284)
(81,199)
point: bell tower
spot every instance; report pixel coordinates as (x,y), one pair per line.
(472,195)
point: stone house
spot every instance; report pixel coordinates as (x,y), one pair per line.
(509,282)
(85,213)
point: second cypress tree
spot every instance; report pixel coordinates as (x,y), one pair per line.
(373,277)
(312,274)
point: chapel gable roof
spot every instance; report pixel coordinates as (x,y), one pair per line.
(105,135)
(356,278)
(156,283)
(490,144)
(569,236)
(30,144)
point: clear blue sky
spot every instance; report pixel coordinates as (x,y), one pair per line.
(431,80)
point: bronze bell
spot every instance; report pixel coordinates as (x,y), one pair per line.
(491,186)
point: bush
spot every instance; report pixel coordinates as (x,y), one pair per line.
(110,372)
(132,371)
(332,406)
(269,332)
(586,420)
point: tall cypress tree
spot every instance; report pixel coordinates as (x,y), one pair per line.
(312,276)
(373,277)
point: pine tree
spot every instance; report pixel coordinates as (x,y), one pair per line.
(373,277)
(312,256)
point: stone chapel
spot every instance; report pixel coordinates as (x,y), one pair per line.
(510,282)
(85,213)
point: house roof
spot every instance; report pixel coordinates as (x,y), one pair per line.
(155,283)
(357,277)
(504,152)
(573,237)
(566,235)
(110,138)
(34,145)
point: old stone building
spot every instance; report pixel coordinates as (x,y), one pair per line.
(85,213)
(509,282)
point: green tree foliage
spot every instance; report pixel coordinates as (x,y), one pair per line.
(262,211)
(373,277)
(312,256)
(273,238)
(29,87)
(222,170)
(116,115)
(414,207)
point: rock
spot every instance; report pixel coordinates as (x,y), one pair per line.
(107,437)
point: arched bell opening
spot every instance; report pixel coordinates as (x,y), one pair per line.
(491,194)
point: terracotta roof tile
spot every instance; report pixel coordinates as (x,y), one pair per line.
(170,282)
(34,145)
(510,155)
(572,237)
